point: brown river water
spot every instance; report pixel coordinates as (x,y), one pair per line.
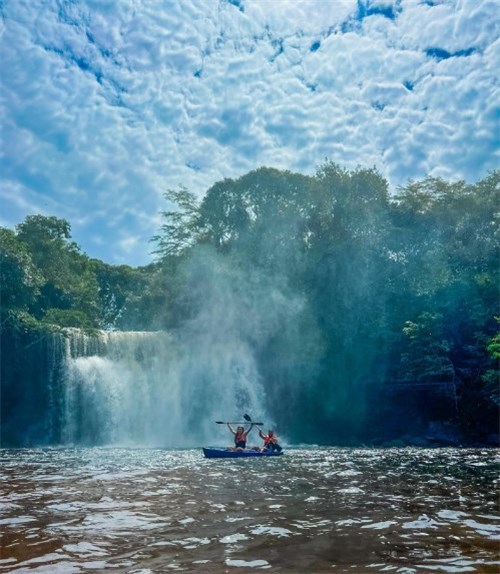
(313,510)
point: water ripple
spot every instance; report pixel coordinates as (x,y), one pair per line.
(314,510)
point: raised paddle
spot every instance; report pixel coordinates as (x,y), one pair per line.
(236,423)
(247,420)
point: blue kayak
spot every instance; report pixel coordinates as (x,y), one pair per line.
(219,452)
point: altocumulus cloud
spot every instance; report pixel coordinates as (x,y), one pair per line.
(106,104)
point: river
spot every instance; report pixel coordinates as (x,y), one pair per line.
(314,510)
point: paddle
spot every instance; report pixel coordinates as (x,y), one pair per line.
(247,420)
(236,423)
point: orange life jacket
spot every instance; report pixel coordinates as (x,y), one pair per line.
(270,439)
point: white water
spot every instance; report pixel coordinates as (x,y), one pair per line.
(147,388)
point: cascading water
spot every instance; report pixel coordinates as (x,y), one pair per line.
(149,388)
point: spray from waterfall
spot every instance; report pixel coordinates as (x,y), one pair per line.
(167,388)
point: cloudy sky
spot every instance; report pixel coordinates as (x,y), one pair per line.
(105,104)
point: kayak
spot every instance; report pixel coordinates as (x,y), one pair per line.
(219,452)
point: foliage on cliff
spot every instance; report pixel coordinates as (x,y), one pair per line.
(47,281)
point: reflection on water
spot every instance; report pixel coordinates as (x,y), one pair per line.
(312,510)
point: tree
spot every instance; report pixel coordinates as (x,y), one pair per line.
(491,378)
(181,228)
(427,355)
(119,287)
(20,280)
(68,279)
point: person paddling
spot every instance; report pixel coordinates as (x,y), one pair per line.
(270,440)
(240,436)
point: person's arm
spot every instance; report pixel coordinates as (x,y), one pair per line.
(229,427)
(261,434)
(246,432)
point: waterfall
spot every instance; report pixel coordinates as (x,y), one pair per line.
(151,388)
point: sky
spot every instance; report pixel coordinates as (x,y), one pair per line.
(106,104)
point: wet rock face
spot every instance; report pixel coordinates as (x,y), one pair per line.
(33,378)
(30,371)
